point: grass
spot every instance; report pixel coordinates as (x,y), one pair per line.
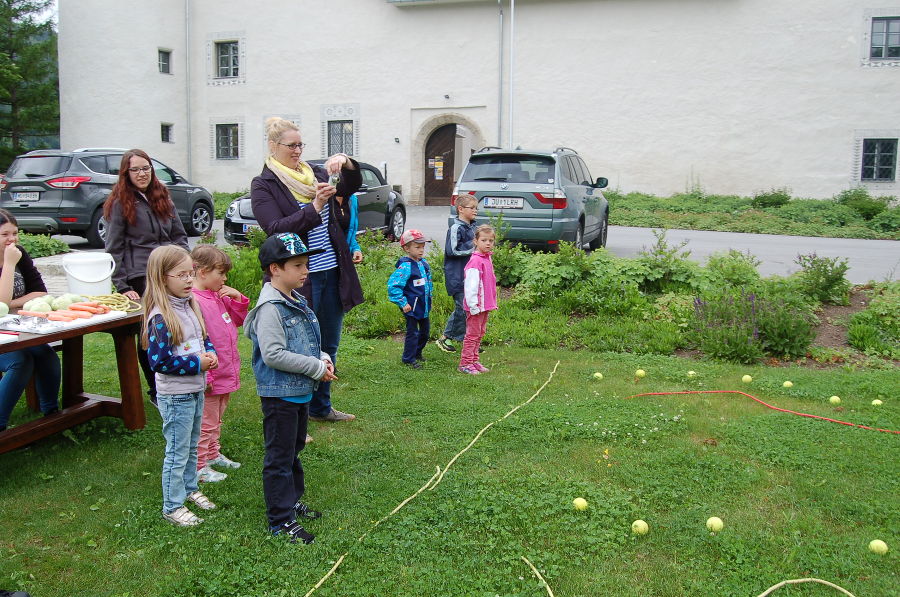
(798,497)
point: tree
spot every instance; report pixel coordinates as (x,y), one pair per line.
(29,78)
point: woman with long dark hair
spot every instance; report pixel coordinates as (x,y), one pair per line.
(20,281)
(140,216)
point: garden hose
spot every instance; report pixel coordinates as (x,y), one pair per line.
(783,410)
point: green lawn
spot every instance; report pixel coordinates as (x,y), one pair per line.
(81,511)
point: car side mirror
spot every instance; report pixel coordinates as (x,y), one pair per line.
(178,178)
(602,183)
(362,188)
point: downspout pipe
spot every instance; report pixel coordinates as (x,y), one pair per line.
(512,65)
(187,88)
(500,79)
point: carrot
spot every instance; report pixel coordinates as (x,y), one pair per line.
(34,314)
(56,316)
(74,314)
(87,308)
(88,303)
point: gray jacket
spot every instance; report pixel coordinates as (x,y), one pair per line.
(130,245)
(177,368)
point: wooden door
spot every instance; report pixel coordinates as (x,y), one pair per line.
(439,165)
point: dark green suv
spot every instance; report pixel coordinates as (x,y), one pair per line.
(62,192)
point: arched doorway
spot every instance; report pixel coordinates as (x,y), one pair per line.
(440,150)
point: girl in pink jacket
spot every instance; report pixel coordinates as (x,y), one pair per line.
(224,310)
(480,297)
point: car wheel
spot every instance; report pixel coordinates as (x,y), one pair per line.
(201,219)
(398,222)
(96,234)
(579,236)
(600,241)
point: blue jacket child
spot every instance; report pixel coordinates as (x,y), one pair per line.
(410,287)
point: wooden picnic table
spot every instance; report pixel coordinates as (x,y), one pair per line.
(79,406)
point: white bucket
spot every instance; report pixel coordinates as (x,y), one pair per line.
(89,273)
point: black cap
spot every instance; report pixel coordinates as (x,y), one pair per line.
(281,247)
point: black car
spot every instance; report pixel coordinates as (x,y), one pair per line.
(62,192)
(380,208)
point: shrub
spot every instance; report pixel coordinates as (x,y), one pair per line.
(773,198)
(42,245)
(876,330)
(725,327)
(510,262)
(732,268)
(784,331)
(823,278)
(887,221)
(675,308)
(246,273)
(662,268)
(221,201)
(859,200)
(820,212)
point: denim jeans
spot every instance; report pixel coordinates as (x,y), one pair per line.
(417,331)
(326,304)
(456,323)
(17,368)
(181,415)
(284,434)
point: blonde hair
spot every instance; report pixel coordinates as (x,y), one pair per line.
(163,260)
(276,126)
(485,229)
(466,200)
(210,257)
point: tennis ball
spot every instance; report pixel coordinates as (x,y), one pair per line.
(640,373)
(715,524)
(877,402)
(746,379)
(598,376)
(878,546)
(835,400)
(580,503)
(639,527)
(692,374)
(788,384)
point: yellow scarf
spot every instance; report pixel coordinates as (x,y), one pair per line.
(300,182)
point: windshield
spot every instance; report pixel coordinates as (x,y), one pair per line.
(510,168)
(37,166)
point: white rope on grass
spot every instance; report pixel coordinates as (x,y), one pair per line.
(541,578)
(798,581)
(489,425)
(431,484)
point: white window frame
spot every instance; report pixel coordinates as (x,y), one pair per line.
(214,139)
(336,112)
(171,129)
(212,58)
(866,38)
(880,186)
(159,61)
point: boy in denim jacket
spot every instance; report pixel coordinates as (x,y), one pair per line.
(288,363)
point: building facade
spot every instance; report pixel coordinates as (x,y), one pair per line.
(732,96)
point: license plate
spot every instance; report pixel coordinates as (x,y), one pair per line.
(503,202)
(27,196)
(247,227)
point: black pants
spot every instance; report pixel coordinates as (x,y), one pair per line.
(284,434)
(417,332)
(139,285)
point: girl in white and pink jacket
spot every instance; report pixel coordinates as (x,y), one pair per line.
(224,310)
(480,297)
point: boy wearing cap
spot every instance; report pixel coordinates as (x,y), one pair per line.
(410,287)
(288,363)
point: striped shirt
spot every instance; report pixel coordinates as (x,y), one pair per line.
(318,239)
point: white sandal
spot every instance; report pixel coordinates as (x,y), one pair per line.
(201,500)
(182,517)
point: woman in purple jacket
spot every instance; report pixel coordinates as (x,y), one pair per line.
(290,195)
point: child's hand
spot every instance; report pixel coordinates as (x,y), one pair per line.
(329,372)
(357,256)
(475,310)
(206,361)
(407,308)
(229,292)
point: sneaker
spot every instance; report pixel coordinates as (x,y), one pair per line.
(444,344)
(182,517)
(203,502)
(414,365)
(223,461)
(480,350)
(469,369)
(481,368)
(420,358)
(208,475)
(301,510)
(295,532)
(333,417)
(309,439)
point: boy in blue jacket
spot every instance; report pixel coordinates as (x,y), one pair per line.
(410,288)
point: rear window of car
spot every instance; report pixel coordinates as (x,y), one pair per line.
(510,168)
(37,166)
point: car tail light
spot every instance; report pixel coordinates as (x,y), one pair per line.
(68,182)
(455,196)
(557,199)
(3,184)
(68,220)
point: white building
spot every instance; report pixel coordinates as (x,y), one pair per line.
(734,96)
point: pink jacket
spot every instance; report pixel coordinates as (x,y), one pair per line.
(223,316)
(480,284)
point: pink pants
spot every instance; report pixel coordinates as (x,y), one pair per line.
(211,428)
(476,326)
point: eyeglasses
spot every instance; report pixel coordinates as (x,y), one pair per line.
(293,146)
(135,170)
(183,277)
(475,207)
